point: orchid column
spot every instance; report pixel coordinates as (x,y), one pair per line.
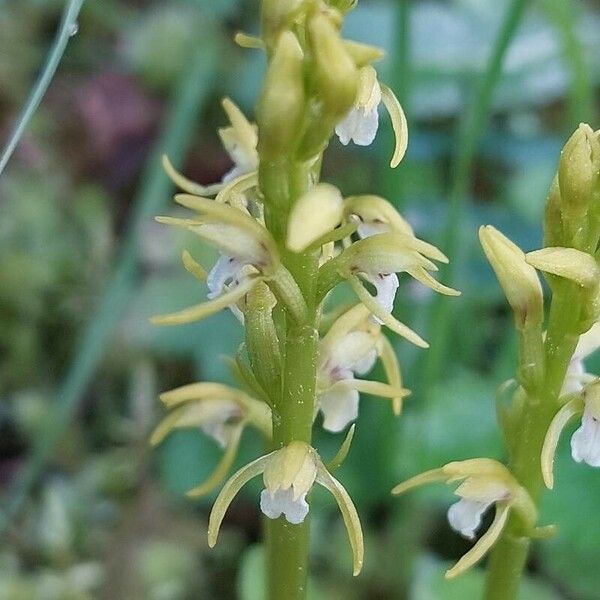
(285,241)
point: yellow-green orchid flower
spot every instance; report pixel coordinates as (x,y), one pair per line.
(221,412)
(288,476)
(484,482)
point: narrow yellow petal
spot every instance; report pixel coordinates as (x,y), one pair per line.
(425,278)
(166,426)
(223,466)
(375,388)
(570,263)
(228,493)
(399,124)
(389,360)
(420,479)
(237,187)
(342,453)
(486,541)
(387,318)
(179,222)
(349,514)
(200,391)
(206,309)
(562,417)
(185,184)
(244,40)
(193,267)
(246,133)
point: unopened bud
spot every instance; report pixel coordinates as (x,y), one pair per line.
(336,74)
(578,171)
(281,105)
(315,213)
(278,15)
(518,280)
(554,231)
(363,54)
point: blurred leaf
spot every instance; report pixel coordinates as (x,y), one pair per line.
(429,584)
(572,555)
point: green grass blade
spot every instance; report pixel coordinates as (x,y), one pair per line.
(470,132)
(581,93)
(68,25)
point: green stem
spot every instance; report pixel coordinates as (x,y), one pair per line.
(287,545)
(509,556)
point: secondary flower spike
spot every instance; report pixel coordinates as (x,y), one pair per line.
(484,482)
(288,476)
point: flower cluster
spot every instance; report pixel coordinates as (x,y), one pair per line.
(553,386)
(284,242)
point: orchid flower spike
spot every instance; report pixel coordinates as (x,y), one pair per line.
(239,139)
(485,482)
(221,412)
(362,121)
(585,443)
(288,475)
(247,250)
(351,347)
(377,259)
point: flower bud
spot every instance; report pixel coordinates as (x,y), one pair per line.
(336,74)
(277,15)
(554,233)
(281,105)
(363,54)
(315,213)
(518,280)
(578,171)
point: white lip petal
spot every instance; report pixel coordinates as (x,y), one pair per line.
(465,516)
(585,443)
(365,364)
(281,502)
(359,126)
(574,378)
(367,126)
(225,270)
(346,127)
(386,286)
(355,352)
(339,406)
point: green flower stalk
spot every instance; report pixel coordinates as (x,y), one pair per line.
(285,241)
(551,386)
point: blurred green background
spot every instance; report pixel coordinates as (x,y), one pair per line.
(492,88)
